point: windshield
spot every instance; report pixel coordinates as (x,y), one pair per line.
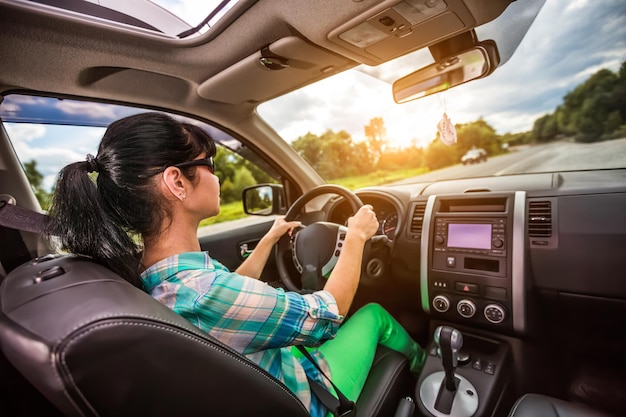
(557,104)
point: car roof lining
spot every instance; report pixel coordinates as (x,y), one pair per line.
(205,76)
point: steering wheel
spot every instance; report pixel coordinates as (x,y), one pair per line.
(315,247)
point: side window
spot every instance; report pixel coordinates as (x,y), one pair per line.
(49,133)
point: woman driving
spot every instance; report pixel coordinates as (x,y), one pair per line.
(155,183)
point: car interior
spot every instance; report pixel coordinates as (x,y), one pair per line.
(515,284)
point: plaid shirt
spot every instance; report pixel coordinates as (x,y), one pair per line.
(255,319)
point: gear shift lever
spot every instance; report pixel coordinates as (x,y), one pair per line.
(445,393)
(449,342)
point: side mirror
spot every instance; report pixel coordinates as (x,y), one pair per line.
(474,63)
(264,199)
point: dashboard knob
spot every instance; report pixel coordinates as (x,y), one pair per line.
(497,243)
(494,313)
(439,240)
(441,303)
(466,308)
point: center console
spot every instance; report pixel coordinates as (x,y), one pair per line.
(472,277)
(472,260)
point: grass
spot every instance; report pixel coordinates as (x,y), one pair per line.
(377,178)
(234,210)
(228,211)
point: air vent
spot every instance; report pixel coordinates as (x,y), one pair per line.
(417,220)
(540,219)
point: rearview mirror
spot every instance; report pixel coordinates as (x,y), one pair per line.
(263,199)
(455,70)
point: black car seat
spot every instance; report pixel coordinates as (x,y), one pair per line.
(93,344)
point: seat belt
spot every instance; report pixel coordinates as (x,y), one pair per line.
(20,218)
(340,406)
(13,219)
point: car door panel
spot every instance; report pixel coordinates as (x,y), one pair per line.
(225,243)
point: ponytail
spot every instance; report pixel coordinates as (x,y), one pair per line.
(83,226)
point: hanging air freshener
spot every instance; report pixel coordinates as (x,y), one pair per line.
(447,131)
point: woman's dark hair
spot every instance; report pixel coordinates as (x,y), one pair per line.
(98,219)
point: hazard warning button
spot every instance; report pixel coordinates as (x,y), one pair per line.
(466,288)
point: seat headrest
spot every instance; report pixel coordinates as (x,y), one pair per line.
(95,345)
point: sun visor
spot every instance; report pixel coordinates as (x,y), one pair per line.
(284,65)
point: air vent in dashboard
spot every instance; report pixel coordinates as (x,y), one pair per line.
(540,218)
(417,220)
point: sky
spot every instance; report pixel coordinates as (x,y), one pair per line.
(568,41)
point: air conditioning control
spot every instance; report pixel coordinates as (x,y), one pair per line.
(441,303)
(494,313)
(466,308)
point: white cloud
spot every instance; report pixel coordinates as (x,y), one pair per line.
(22,133)
(93,110)
(53,147)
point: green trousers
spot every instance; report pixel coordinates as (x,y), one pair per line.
(351,353)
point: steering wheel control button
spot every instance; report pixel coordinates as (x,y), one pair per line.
(441,303)
(466,308)
(494,313)
(466,288)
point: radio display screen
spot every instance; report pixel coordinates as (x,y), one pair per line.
(472,236)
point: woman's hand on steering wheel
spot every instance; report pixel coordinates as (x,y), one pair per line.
(280,227)
(364,223)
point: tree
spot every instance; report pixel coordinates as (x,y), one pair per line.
(439,155)
(309,147)
(477,134)
(376,135)
(545,128)
(589,105)
(35,178)
(334,154)
(231,188)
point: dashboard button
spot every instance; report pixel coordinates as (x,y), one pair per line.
(441,303)
(494,313)
(466,308)
(466,288)
(490,368)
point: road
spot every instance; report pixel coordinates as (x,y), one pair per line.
(557,156)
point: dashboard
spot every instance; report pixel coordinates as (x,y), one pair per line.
(385,206)
(479,250)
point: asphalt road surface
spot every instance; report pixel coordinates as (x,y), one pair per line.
(558,156)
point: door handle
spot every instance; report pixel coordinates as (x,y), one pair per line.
(244,251)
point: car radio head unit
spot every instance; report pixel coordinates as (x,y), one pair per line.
(480,236)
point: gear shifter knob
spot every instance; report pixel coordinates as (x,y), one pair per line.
(449,342)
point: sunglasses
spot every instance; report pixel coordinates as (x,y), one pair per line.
(199,162)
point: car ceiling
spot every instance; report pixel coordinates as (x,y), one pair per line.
(216,75)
